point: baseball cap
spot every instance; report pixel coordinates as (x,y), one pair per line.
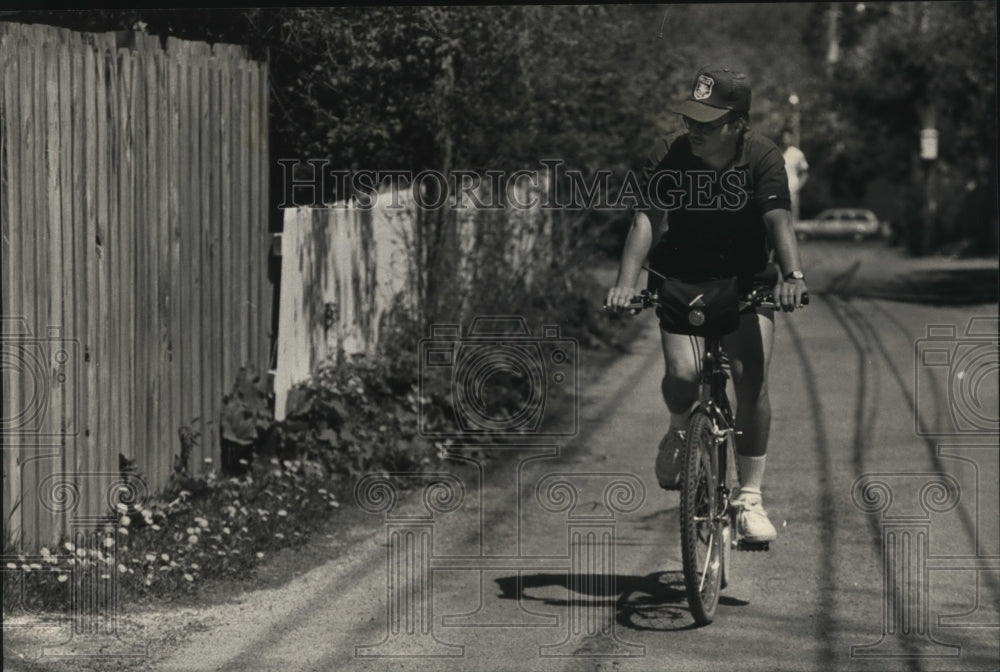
(716,91)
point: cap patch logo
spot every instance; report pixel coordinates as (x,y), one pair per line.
(703,87)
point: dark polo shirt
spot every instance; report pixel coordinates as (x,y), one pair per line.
(715,218)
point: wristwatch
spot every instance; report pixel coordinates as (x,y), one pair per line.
(795,275)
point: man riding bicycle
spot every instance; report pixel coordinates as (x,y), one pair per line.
(720,199)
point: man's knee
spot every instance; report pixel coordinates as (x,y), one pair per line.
(680,381)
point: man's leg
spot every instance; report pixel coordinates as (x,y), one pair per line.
(749,350)
(681,357)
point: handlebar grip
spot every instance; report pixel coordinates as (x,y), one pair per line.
(805,298)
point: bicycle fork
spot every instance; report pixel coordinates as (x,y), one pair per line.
(725,443)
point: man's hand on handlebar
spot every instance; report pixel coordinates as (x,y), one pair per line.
(788,294)
(619,298)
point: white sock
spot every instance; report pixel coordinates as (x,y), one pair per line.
(751,472)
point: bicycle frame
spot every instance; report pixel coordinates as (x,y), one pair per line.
(714,400)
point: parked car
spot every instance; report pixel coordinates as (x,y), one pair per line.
(854,223)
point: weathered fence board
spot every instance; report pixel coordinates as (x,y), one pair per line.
(342,269)
(131,256)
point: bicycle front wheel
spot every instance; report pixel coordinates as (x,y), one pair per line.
(701,520)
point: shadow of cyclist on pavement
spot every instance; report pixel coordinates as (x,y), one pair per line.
(652,602)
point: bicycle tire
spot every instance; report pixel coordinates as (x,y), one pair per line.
(701,522)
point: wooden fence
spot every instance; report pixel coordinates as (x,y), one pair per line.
(135,248)
(343,268)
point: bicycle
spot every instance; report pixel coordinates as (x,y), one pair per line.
(709,529)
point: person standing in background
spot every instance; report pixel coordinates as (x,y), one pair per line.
(797,168)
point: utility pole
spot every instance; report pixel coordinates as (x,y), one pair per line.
(832,38)
(928,150)
(928,159)
(793,100)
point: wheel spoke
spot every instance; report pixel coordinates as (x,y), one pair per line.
(708,562)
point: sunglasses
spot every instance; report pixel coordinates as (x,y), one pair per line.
(705,127)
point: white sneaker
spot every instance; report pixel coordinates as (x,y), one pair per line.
(753,521)
(670,460)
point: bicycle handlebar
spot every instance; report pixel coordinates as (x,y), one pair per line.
(756,299)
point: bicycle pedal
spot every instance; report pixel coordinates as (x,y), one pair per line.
(744,545)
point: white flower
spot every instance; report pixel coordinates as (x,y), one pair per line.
(44,552)
(259,554)
(193,539)
(69,546)
(109,542)
(62,578)
(122,569)
(165,557)
(150,557)
(11,565)
(282,512)
(188,577)
(125,521)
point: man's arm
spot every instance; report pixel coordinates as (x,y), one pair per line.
(637,244)
(778,223)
